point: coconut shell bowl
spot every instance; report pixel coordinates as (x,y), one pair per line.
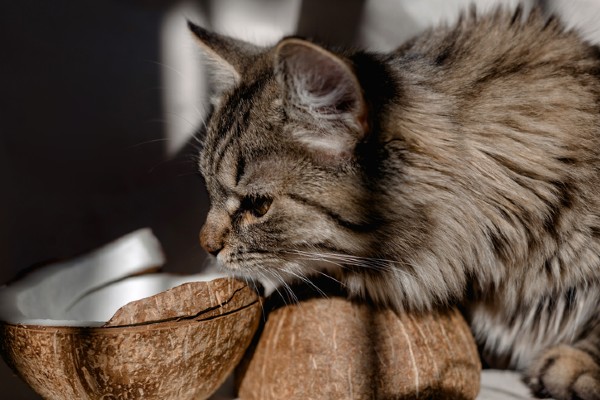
(102,327)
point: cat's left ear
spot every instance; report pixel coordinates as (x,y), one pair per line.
(231,57)
(324,85)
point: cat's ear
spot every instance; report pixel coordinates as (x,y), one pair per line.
(231,57)
(320,83)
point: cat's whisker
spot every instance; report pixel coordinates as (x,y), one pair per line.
(256,282)
(325,259)
(321,259)
(344,260)
(291,295)
(198,142)
(147,142)
(276,288)
(192,125)
(167,67)
(308,282)
(328,276)
(340,256)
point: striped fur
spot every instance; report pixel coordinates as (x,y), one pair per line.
(461,168)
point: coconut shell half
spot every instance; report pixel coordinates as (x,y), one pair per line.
(333,348)
(168,338)
(187,354)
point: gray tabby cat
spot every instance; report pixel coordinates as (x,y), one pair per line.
(463,167)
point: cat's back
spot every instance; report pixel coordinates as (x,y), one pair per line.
(501,43)
(518,77)
(506,107)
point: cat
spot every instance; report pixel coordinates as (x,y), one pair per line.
(461,168)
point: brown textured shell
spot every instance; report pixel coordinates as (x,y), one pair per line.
(336,349)
(190,300)
(187,355)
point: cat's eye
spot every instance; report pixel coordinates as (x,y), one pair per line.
(258,206)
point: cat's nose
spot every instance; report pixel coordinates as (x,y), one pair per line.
(214,232)
(212,243)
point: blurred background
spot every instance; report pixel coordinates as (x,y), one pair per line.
(100,101)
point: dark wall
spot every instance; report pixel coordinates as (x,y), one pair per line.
(81,137)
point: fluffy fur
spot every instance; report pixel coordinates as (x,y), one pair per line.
(462,168)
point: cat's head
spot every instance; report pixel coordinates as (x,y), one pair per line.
(282,158)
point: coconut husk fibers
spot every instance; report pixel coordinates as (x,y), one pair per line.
(334,348)
(202,332)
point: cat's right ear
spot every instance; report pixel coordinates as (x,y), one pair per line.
(231,57)
(324,86)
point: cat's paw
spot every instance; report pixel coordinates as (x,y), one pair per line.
(565,373)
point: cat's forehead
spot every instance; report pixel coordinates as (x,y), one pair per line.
(247,105)
(244,134)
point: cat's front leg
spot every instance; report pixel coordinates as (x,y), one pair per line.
(565,373)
